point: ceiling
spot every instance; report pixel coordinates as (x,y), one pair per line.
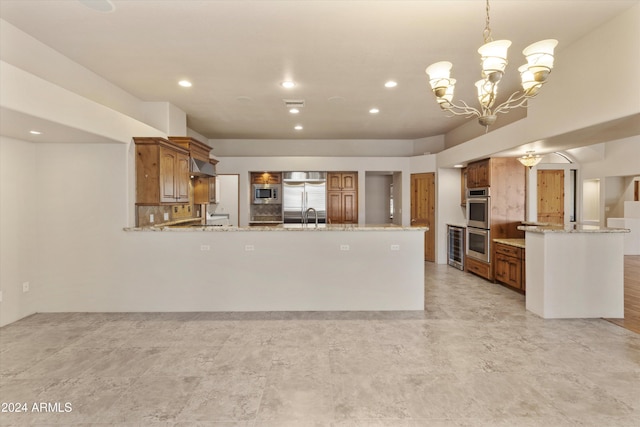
(340,54)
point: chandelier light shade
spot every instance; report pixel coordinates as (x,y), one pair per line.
(530,160)
(493,58)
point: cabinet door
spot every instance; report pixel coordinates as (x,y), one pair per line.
(508,270)
(334,207)
(349,207)
(334,182)
(483,175)
(349,181)
(182,178)
(167,175)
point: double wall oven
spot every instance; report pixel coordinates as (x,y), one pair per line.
(478,223)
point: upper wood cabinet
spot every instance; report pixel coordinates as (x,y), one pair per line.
(342,197)
(266,177)
(162,172)
(342,181)
(479,174)
(197,149)
(202,187)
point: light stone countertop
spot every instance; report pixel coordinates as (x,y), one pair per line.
(573,228)
(283,227)
(518,243)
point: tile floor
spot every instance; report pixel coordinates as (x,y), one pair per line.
(474,357)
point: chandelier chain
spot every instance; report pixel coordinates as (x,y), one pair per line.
(487,29)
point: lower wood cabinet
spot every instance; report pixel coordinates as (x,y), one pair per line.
(509,265)
(342,207)
(480,268)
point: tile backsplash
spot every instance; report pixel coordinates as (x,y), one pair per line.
(165,213)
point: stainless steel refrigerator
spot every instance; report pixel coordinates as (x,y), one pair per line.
(301,191)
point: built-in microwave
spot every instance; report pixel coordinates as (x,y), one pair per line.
(478,245)
(267,193)
(478,208)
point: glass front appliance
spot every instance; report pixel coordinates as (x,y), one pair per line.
(266,193)
(478,243)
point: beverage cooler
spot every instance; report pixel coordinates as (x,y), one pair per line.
(455,246)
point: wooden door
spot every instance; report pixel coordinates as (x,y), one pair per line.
(334,182)
(334,207)
(349,207)
(349,181)
(167,175)
(551,196)
(182,177)
(423,196)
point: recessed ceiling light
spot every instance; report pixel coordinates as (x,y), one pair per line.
(185,83)
(374,111)
(390,83)
(298,127)
(458,166)
(294,110)
(287,84)
(35,132)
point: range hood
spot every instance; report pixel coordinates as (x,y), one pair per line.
(202,168)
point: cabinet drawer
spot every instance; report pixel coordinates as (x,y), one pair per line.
(480,268)
(509,250)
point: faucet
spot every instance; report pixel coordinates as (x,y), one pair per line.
(305,218)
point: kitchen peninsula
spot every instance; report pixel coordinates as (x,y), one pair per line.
(283,268)
(575,271)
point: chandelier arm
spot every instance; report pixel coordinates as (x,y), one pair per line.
(517,99)
(462,110)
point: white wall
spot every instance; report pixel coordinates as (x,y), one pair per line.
(19,207)
(378,198)
(227,193)
(448,209)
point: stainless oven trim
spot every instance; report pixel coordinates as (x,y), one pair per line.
(479,224)
(477,255)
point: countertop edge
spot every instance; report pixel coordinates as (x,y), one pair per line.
(577,228)
(272,229)
(518,243)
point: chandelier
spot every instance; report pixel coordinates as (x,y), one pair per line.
(530,160)
(493,56)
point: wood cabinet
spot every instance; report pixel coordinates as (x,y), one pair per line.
(479,268)
(479,174)
(342,197)
(266,177)
(505,178)
(342,181)
(510,265)
(162,172)
(201,184)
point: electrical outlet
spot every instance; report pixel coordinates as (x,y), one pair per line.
(344,247)
(249,248)
(151,218)
(205,247)
(395,247)
(25,287)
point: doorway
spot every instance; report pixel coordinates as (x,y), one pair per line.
(551,196)
(423,211)
(228,197)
